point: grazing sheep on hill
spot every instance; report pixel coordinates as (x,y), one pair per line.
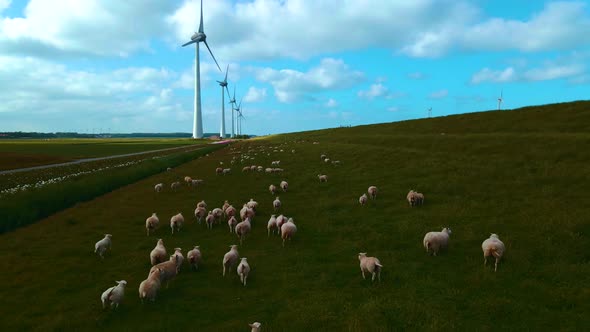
(243,270)
(149,288)
(246,169)
(218,214)
(158,254)
(242,229)
(114,295)
(101,246)
(272,225)
(175,185)
(255,327)
(372,192)
(226,171)
(284,185)
(176,222)
(194,257)
(210,220)
(232,222)
(218,170)
(202,204)
(493,247)
(272,188)
(200,213)
(188,179)
(225,205)
(230,211)
(179,258)
(415,198)
(371,265)
(276,203)
(169,269)
(323,178)
(159,187)
(436,241)
(288,230)
(230,258)
(151,223)
(281,219)
(252,204)
(363,199)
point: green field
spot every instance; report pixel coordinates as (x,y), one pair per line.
(27,153)
(522,174)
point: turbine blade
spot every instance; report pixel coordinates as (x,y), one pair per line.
(226,70)
(212,54)
(234,92)
(188,43)
(201,24)
(228,96)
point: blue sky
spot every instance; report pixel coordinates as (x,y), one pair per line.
(87,65)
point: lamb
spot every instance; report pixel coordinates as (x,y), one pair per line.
(176,222)
(232,222)
(101,246)
(371,265)
(151,223)
(243,270)
(159,187)
(210,220)
(363,199)
(114,295)
(493,247)
(200,213)
(175,185)
(272,225)
(169,269)
(179,258)
(230,258)
(323,178)
(284,185)
(158,254)
(288,229)
(256,325)
(272,188)
(242,229)
(194,257)
(436,241)
(276,203)
(372,192)
(148,289)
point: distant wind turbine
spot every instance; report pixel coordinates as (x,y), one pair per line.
(196,38)
(500,100)
(240,116)
(223,85)
(232,101)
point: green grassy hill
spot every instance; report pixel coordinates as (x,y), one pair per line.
(522,174)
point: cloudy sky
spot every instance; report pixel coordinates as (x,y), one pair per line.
(91,65)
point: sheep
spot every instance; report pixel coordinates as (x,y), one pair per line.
(256,325)
(226,171)
(371,265)
(277,170)
(323,178)
(372,192)
(336,162)
(225,205)
(327,160)
(151,223)
(275,163)
(230,211)
(176,222)
(419,198)
(276,203)
(288,229)
(268,170)
(159,187)
(179,257)
(218,170)
(210,220)
(272,188)
(114,295)
(281,219)
(148,289)
(493,247)
(415,198)
(169,269)
(101,246)
(196,182)
(202,204)
(230,258)
(242,229)
(218,214)
(243,270)
(252,204)
(188,179)
(284,185)
(200,213)
(322,157)
(232,222)
(194,257)
(246,212)
(436,241)
(175,185)
(363,199)
(272,224)
(246,169)
(158,254)
(259,168)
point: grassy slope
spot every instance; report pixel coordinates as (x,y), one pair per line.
(526,185)
(27,153)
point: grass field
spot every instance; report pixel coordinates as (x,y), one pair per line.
(480,173)
(28,153)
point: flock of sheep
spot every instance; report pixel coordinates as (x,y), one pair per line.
(165,268)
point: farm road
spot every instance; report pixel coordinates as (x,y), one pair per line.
(80,161)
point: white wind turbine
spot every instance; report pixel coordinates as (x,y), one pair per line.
(240,116)
(500,100)
(196,38)
(232,101)
(223,85)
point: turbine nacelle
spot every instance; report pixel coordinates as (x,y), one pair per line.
(199,37)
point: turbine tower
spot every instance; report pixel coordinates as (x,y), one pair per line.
(196,38)
(239,117)
(223,85)
(232,101)
(500,100)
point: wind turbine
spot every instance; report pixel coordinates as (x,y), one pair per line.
(223,85)
(196,38)
(240,116)
(500,100)
(232,101)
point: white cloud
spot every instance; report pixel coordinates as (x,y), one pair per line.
(4,4)
(439,94)
(393,109)
(255,95)
(376,90)
(331,103)
(550,71)
(496,76)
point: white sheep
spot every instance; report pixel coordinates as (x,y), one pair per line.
(284,185)
(210,220)
(272,224)
(158,254)
(272,188)
(372,192)
(202,204)
(242,229)
(176,222)
(327,160)
(230,258)
(218,214)
(114,295)
(149,288)
(493,247)
(281,219)
(218,170)
(179,258)
(101,246)
(276,203)
(243,270)
(175,185)
(169,269)
(288,230)
(363,199)
(256,325)
(194,257)
(323,177)
(415,198)
(252,204)
(230,211)
(246,169)
(188,179)
(247,212)
(436,241)
(200,213)
(371,265)
(232,222)
(151,223)
(275,163)
(159,187)
(226,171)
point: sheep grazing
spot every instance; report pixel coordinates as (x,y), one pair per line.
(323,178)
(327,160)
(230,258)
(175,185)
(252,204)
(114,295)
(436,241)
(336,162)
(275,163)
(179,258)
(196,182)
(268,170)
(151,223)
(230,211)
(246,169)
(169,269)
(188,179)
(159,187)
(218,214)
(226,171)
(202,204)
(246,212)
(272,225)
(371,265)
(272,188)
(225,205)
(194,257)
(259,168)
(232,222)
(218,170)
(158,254)
(149,288)
(284,185)
(363,199)
(210,220)
(243,270)
(372,192)
(176,222)
(101,246)
(242,229)
(288,229)
(200,213)
(415,198)
(276,203)
(281,219)
(255,327)
(493,247)
(322,157)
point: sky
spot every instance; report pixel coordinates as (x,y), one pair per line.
(116,66)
